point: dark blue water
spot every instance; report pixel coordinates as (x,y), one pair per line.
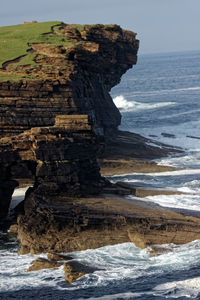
(159,96)
(168,79)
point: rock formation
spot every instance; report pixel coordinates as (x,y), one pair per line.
(73,224)
(67,79)
(73,78)
(54,111)
(62,159)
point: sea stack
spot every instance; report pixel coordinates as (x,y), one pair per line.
(56,118)
(60,70)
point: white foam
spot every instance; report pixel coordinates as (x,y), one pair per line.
(17,197)
(128,295)
(117,263)
(14,275)
(160,174)
(161,92)
(192,158)
(125,105)
(184,201)
(19,192)
(185,288)
(174,173)
(190,187)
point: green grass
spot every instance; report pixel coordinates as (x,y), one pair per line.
(78,26)
(15,77)
(26,60)
(14,39)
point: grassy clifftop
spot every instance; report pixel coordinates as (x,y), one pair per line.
(17,47)
(50,50)
(14,40)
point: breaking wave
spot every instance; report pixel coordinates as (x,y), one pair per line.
(122,267)
(125,105)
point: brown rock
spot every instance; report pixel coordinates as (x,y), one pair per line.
(74,270)
(24,250)
(40,141)
(70,274)
(61,159)
(42,263)
(58,257)
(66,81)
(74,224)
(156,250)
(13,228)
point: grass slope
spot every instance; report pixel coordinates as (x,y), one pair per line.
(14,39)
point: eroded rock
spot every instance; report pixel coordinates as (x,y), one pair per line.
(74,270)
(42,263)
(59,257)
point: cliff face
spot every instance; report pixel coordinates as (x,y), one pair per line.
(78,224)
(53,101)
(61,158)
(73,78)
(71,73)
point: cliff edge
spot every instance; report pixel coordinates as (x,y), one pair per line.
(68,70)
(55,108)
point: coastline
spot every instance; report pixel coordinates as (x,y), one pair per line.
(124,166)
(102,221)
(71,206)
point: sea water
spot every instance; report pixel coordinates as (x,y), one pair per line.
(160,99)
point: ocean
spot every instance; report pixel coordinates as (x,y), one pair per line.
(160,99)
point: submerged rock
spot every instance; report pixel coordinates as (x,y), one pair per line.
(168,135)
(156,250)
(74,270)
(42,263)
(58,257)
(13,229)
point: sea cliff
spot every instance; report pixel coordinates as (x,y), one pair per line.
(57,119)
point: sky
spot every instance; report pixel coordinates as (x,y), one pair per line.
(161,25)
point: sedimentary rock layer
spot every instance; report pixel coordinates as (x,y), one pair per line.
(73,78)
(52,115)
(62,159)
(72,75)
(81,223)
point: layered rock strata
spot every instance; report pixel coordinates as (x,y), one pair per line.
(72,224)
(72,78)
(46,117)
(62,159)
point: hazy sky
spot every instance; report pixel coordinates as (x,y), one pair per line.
(161,25)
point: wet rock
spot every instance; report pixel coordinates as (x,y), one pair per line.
(68,225)
(24,250)
(168,135)
(117,166)
(193,137)
(42,263)
(71,275)
(13,228)
(74,270)
(58,257)
(157,250)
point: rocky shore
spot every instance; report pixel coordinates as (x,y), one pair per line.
(69,225)
(59,132)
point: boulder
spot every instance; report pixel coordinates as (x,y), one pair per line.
(58,257)
(74,270)
(42,263)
